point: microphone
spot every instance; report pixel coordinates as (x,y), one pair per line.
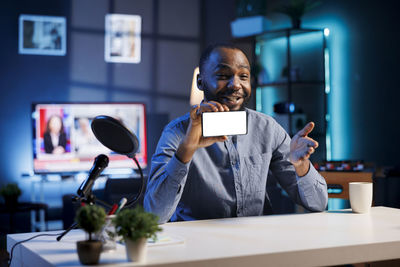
(100,163)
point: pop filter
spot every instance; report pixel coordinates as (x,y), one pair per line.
(115,136)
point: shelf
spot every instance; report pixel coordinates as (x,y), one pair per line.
(271,34)
(297,83)
(285,32)
(278,50)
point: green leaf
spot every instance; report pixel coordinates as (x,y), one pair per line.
(10,189)
(91,218)
(136,223)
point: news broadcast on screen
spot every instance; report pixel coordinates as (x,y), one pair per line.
(63,140)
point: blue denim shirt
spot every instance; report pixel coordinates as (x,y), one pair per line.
(227,179)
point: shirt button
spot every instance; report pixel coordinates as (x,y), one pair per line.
(233,162)
(182,172)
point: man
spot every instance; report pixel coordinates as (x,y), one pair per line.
(196,177)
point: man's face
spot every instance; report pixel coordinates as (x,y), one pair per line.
(226,78)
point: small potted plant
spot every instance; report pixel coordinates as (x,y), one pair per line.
(91,219)
(10,193)
(136,226)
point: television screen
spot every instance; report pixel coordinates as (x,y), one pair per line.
(63,140)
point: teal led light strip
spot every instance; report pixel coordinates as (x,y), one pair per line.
(327,92)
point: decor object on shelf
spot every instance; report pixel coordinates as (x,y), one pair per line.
(248,8)
(295,9)
(250,18)
(248,26)
(42,35)
(136,226)
(10,193)
(123,38)
(91,219)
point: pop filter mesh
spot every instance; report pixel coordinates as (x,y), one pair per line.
(115,136)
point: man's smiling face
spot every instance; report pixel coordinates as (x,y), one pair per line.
(226,78)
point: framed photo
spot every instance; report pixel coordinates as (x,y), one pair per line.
(122,39)
(42,35)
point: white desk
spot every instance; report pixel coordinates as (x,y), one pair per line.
(314,239)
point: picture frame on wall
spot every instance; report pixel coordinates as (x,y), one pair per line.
(42,35)
(122,38)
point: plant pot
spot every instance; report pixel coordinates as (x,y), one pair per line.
(89,251)
(136,250)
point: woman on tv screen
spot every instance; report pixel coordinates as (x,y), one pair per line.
(55,138)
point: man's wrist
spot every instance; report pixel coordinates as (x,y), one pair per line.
(302,168)
(185,152)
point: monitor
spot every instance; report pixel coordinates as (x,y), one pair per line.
(63,141)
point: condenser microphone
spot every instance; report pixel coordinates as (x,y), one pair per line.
(100,163)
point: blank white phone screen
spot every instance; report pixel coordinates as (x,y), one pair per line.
(224,123)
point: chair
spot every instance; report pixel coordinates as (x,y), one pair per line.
(196,95)
(338,182)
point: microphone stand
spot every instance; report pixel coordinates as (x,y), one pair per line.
(132,202)
(90,200)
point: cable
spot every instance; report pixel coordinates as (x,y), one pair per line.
(19,242)
(133,201)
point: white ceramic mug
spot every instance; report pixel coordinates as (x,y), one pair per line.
(360,196)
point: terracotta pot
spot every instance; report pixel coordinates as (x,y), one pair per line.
(136,250)
(89,251)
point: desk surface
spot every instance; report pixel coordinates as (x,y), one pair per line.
(314,239)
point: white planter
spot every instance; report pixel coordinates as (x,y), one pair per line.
(136,250)
(247,26)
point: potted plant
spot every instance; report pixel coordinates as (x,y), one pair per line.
(91,219)
(136,226)
(10,193)
(295,9)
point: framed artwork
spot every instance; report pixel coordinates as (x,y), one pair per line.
(42,35)
(122,39)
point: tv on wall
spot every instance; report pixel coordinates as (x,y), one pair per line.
(63,141)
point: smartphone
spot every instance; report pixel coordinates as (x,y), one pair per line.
(224,123)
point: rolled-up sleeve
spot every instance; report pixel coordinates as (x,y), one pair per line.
(313,190)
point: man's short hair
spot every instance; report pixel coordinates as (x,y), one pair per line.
(209,49)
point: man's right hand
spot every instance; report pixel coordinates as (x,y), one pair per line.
(194,138)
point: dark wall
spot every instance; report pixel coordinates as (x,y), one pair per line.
(25,79)
(172,38)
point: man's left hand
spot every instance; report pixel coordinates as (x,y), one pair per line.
(301,148)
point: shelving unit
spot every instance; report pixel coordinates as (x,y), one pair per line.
(293,66)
